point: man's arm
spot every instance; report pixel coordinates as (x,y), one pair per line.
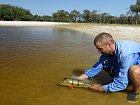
(92,71)
(121,80)
(97,67)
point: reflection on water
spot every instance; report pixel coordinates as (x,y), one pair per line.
(34,59)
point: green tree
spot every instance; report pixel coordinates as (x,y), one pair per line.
(47,18)
(8,12)
(75,15)
(136,9)
(61,16)
(93,15)
(86,15)
(104,17)
(123,19)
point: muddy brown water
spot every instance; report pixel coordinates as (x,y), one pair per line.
(34,59)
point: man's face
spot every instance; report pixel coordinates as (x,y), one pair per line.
(104,49)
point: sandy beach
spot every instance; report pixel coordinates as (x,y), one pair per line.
(29,23)
(118,32)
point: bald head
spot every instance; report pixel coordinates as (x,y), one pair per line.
(103,38)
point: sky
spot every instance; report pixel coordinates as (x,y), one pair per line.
(47,7)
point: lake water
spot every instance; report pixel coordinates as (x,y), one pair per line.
(34,59)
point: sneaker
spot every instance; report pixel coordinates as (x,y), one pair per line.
(133,97)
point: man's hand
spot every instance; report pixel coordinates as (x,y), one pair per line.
(96,87)
(83,76)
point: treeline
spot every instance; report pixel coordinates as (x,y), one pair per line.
(15,13)
(10,13)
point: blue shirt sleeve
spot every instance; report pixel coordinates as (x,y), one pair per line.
(97,67)
(94,70)
(122,78)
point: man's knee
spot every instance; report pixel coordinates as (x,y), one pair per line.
(134,70)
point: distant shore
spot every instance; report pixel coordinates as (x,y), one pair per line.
(117,31)
(29,23)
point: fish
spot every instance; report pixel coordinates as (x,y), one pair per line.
(71,82)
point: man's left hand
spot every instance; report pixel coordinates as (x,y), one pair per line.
(97,87)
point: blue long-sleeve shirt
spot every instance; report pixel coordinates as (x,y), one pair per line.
(127,53)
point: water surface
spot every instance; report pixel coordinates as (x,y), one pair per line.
(34,59)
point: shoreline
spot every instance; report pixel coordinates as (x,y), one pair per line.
(118,32)
(29,23)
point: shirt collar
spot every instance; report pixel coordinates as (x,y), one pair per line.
(116,49)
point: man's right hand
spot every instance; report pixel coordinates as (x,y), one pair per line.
(83,76)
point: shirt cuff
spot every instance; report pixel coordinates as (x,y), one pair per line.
(106,88)
(87,73)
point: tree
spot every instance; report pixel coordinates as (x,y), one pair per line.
(47,18)
(94,16)
(123,19)
(8,12)
(136,9)
(75,15)
(61,16)
(86,15)
(104,17)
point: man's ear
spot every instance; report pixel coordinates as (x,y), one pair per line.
(109,44)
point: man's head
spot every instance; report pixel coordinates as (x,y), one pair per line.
(104,43)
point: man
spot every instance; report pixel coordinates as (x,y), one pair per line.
(122,58)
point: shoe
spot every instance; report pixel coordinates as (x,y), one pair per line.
(133,97)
